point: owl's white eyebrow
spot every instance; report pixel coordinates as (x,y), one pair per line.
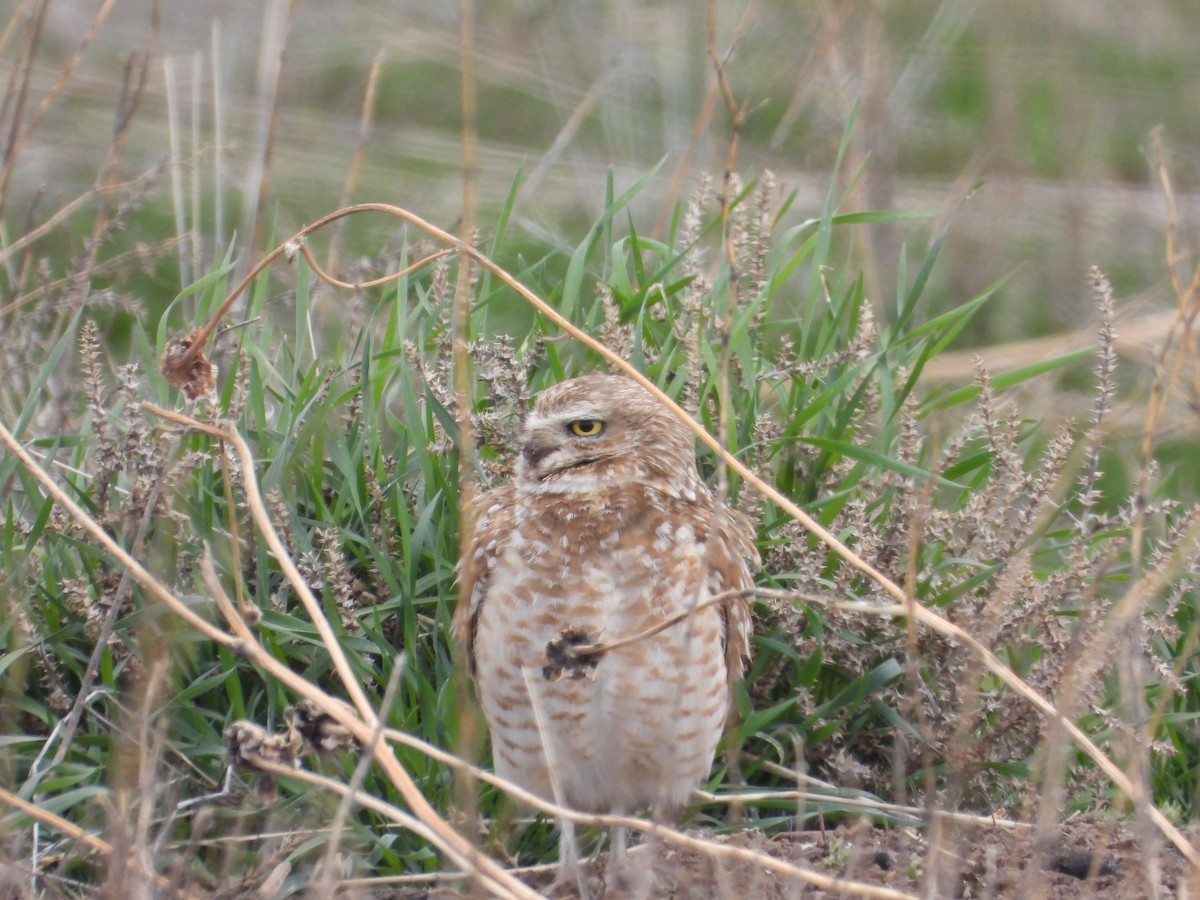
(571,412)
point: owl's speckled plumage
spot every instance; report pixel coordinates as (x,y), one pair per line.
(607,534)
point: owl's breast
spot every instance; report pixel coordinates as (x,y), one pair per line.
(638,724)
(604,569)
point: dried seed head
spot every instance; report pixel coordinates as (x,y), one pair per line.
(189,371)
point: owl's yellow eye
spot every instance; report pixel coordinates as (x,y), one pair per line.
(586,427)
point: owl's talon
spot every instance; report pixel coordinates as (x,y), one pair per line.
(563,657)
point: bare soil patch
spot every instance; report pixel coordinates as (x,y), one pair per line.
(1083,858)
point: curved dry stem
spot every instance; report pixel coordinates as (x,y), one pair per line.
(374,282)
(618,643)
(715,600)
(34,234)
(915,815)
(906,604)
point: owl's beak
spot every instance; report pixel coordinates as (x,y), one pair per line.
(534,452)
(537,457)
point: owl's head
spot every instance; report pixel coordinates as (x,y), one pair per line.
(604,429)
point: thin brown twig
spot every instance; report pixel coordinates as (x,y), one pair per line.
(70,829)
(77,834)
(721,62)
(758,593)
(868,805)
(287,249)
(441,876)
(46,227)
(716,600)
(374,282)
(245,607)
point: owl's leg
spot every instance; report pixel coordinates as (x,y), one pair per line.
(624,876)
(617,841)
(568,859)
(617,873)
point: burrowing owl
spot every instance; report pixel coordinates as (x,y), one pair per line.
(606,531)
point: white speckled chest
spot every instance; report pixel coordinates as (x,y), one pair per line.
(640,729)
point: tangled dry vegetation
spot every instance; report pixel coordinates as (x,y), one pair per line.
(1004,548)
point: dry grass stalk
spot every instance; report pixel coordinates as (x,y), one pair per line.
(1179,351)
(686,166)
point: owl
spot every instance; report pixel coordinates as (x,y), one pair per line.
(605,531)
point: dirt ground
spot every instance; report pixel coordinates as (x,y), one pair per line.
(1084,858)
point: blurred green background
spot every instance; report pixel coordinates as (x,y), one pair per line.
(1040,113)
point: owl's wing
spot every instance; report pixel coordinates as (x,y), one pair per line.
(733,558)
(493,525)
